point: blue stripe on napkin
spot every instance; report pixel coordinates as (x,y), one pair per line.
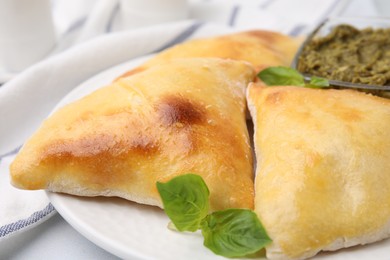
(181,37)
(13,152)
(296,30)
(233,15)
(110,23)
(266,4)
(20,224)
(76,25)
(329,11)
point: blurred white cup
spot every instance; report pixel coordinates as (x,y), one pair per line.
(382,7)
(27,33)
(139,13)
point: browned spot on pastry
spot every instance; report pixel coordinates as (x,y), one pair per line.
(274,98)
(186,141)
(346,113)
(80,148)
(352,115)
(103,145)
(266,36)
(144,145)
(130,72)
(271,41)
(179,111)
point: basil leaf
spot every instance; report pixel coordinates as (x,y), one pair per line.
(186,201)
(234,232)
(316,82)
(281,76)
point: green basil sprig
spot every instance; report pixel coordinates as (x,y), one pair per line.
(234,233)
(316,82)
(284,76)
(230,233)
(186,201)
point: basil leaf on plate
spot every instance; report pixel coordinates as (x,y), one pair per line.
(186,201)
(281,76)
(230,233)
(316,82)
(234,232)
(284,76)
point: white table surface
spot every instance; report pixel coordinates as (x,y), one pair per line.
(56,239)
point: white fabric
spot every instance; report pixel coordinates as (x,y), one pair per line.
(17,204)
(282,16)
(26,100)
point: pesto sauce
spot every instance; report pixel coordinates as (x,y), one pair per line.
(349,54)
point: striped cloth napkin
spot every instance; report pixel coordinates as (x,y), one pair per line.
(91,44)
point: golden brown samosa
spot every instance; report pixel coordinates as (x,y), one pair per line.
(259,47)
(187,116)
(323,168)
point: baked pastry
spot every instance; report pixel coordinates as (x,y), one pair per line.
(260,48)
(323,168)
(187,116)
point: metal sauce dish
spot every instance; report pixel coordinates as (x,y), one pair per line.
(325,28)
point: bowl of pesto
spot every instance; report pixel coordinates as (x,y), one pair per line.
(350,53)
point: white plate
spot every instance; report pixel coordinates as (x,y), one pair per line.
(134,231)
